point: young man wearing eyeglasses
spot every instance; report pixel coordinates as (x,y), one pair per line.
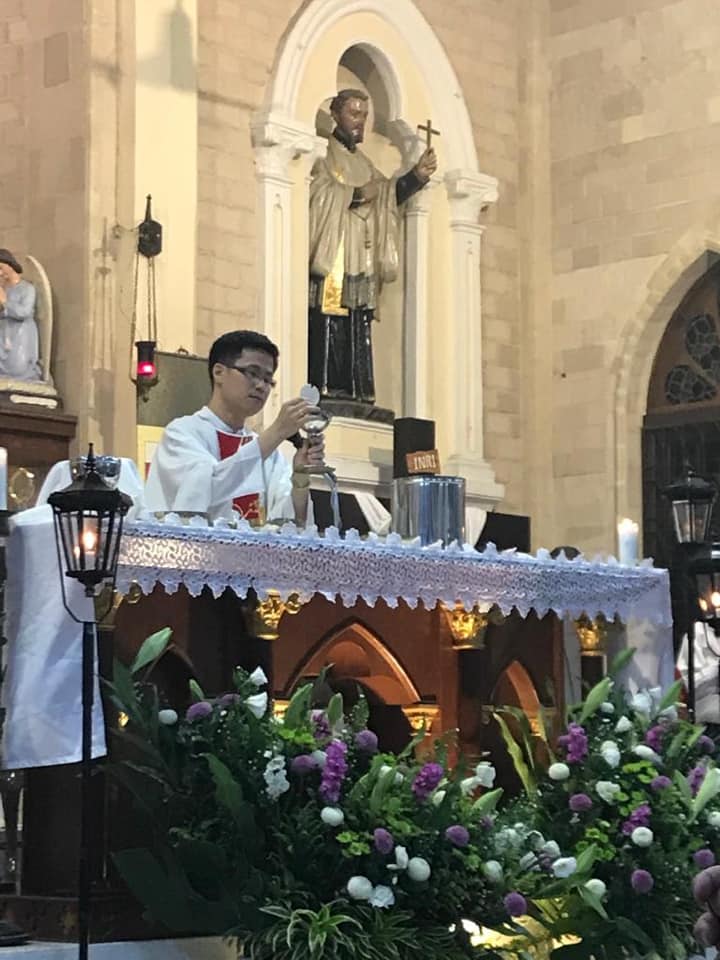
(210,462)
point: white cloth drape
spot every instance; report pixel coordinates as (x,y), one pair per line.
(41,690)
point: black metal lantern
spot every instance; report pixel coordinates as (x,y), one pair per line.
(692,500)
(88,517)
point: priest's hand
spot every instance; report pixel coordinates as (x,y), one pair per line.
(311,453)
(706,888)
(426,165)
(293,415)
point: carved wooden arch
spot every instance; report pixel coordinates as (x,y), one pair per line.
(521,682)
(385,674)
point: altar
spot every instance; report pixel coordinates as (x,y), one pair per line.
(434,637)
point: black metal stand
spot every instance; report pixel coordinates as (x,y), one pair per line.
(88,663)
(691,670)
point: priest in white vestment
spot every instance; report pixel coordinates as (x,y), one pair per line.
(210,462)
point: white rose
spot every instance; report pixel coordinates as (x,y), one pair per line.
(258,677)
(642,836)
(485,774)
(438,797)
(401,858)
(528,861)
(610,753)
(493,871)
(597,887)
(418,869)
(320,758)
(167,717)
(360,888)
(642,702)
(559,771)
(607,790)
(564,867)
(382,897)
(551,849)
(714,818)
(332,816)
(646,753)
(623,725)
(257,704)
(607,707)
(468,784)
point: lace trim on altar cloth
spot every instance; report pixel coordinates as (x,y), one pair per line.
(384,568)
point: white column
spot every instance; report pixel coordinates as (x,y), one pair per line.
(282,265)
(415,312)
(467,194)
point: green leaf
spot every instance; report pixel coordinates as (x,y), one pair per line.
(153,647)
(671,696)
(487,803)
(123,691)
(593,901)
(525,731)
(631,930)
(196,691)
(299,707)
(597,695)
(379,791)
(334,710)
(586,859)
(521,768)
(620,661)
(227,790)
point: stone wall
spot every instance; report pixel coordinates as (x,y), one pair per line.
(635,129)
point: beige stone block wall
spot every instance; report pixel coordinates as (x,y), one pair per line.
(634,133)
(237,46)
(43,156)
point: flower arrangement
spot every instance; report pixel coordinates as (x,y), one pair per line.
(637,786)
(299,837)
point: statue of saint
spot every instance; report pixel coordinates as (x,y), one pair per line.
(354,228)
(19,346)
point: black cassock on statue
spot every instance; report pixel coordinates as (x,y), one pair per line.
(340,362)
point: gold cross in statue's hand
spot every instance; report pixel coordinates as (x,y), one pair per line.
(427,129)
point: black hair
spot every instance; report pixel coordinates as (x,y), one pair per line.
(229,346)
(338,101)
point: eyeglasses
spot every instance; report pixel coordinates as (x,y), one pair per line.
(256,374)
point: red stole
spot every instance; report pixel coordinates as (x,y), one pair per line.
(248,505)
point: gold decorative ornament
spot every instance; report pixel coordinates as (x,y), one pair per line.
(468,627)
(422,715)
(21,488)
(592,634)
(265,618)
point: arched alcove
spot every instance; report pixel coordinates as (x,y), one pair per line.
(390,44)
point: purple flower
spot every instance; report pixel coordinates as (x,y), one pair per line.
(706,744)
(640,817)
(321,727)
(333,772)
(457,835)
(580,802)
(575,742)
(515,904)
(366,741)
(303,764)
(704,858)
(427,779)
(229,700)
(383,840)
(696,777)
(196,711)
(660,783)
(641,881)
(654,737)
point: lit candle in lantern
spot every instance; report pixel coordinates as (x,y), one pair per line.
(88,539)
(627,542)
(3,478)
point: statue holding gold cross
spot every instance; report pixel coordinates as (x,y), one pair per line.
(354,230)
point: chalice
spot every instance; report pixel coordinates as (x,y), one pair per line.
(316,424)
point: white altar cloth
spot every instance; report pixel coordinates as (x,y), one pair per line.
(292,561)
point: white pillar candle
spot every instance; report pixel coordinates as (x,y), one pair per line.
(3,478)
(627,542)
